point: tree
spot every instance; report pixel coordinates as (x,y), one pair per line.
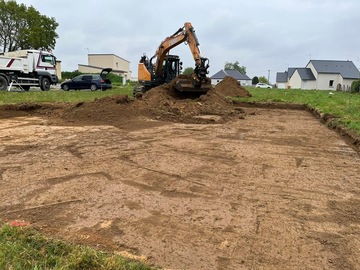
(24,27)
(263,79)
(188,71)
(255,80)
(235,66)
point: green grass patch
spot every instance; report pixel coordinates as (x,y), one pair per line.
(23,248)
(62,96)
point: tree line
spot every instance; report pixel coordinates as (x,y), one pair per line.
(23,27)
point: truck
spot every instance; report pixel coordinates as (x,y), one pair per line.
(27,68)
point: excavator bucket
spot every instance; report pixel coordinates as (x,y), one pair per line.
(189,85)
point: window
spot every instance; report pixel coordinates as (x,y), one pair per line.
(331,83)
(78,78)
(47,59)
(87,78)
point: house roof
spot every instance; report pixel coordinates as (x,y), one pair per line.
(232,73)
(306,74)
(346,69)
(291,71)
(282,77)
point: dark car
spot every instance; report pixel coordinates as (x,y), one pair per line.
(89,81)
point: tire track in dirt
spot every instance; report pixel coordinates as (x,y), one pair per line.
(239,189)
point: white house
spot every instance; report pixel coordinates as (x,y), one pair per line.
(243,79)
(320,75)
(282,79)
(96,62)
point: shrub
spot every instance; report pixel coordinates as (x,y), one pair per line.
(355,86)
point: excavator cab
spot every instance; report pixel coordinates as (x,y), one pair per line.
(148,78)
(171,68)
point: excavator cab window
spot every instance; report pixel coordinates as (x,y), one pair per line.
(171,67)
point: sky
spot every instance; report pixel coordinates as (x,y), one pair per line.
(265,36)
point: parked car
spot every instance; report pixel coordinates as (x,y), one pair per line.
(263,85)
(89,81)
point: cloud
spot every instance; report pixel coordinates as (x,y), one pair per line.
(261,35)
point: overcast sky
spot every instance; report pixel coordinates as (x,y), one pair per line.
(262,35)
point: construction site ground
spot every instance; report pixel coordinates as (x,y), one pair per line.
(188,183)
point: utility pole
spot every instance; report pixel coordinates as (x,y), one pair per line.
(88,51)
(269,76)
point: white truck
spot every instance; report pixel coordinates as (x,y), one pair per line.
(27,68)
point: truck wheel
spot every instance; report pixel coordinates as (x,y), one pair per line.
(3,84)
(45,84)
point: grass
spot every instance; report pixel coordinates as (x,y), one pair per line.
(61,96)
(23,248)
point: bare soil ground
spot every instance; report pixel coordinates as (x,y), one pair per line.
(185,183)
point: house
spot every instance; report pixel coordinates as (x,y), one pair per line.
(320,75)
(96,62)
(243,79)
(282,79)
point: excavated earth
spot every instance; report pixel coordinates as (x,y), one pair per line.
(185,183)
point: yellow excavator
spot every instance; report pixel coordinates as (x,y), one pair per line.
(167,67)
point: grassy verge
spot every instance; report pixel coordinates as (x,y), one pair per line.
(61,96)
(24,248)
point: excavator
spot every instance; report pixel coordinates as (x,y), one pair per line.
(164,67)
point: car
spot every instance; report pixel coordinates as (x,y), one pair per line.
(263,85)
(89,81)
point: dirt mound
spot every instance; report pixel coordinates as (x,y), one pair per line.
(231,87)
(161,103)
(165,102)
(112,110)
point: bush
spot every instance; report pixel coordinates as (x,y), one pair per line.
(355,86)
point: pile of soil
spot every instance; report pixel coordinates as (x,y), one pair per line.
(168,104)
(160,103)
(231,87)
